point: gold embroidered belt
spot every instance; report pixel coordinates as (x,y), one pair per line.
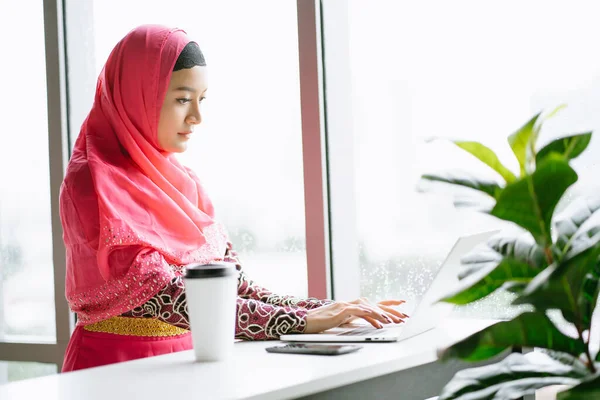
(135,327)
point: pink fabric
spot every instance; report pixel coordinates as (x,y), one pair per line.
(128,208)
(89,349)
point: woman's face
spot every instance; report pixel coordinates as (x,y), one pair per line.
(180,112)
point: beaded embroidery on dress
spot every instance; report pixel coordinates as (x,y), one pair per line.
(147,276)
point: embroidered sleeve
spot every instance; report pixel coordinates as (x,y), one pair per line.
(259,321)
(247,289)
(255,320)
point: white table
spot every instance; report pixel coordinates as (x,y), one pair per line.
(385,370)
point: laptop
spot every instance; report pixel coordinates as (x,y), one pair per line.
(428,314)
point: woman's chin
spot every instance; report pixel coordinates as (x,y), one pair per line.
(178,148)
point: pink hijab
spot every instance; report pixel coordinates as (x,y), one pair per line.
(128,209)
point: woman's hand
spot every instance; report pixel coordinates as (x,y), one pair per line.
(384,307)
(338,313)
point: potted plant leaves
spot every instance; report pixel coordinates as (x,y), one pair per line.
(552,265)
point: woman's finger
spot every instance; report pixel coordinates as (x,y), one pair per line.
(373,322)
(392,302)
(379,314)
(394,312)
(395,319)
(363,311)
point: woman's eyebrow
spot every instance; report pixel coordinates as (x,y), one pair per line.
(185,88)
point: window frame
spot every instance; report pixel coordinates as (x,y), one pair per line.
(314,149)
(52,352)
(345,271)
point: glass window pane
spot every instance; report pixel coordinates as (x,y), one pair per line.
(248,150)
(15,371)
(26,269)
(456,73)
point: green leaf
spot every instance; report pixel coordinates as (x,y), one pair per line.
(569,224)
(476,202)
(589,294)
(566,359)
(569,147)
(486,281)
(554,112)
(487,187)
(485,258)
(515,287)
(530,329)
(543,119)
(587,390)
(519,246)
(567,286)
(519,141)
(488,157)
(515,376)
(479,259)
(530,201)
(506,244)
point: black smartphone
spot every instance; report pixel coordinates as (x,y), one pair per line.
(314,348)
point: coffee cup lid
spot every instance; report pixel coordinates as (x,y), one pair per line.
(212,270)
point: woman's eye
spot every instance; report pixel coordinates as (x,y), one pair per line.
(183,100)
(202,99)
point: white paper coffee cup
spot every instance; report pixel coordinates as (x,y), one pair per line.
(211,291)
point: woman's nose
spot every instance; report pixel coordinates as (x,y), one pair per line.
(194,118)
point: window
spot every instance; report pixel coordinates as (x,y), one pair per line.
(463,69)
(248,150)
(15,371)
(34,322)
(27,310)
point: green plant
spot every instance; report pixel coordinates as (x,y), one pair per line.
(555,267)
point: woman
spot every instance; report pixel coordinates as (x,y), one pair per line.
(133,216)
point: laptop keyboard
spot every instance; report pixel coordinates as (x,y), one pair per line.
(366,331)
